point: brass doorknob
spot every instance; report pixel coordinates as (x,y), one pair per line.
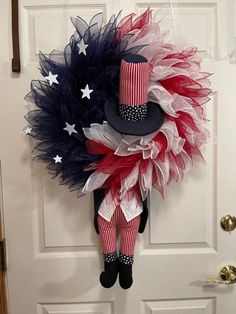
(228,223)
(227,276)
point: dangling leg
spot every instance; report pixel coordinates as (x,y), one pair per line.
(129,231)
(107,232)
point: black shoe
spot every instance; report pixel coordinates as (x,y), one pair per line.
(125,275)
(109,275)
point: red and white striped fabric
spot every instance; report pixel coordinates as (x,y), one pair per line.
(128,232)
(133,83)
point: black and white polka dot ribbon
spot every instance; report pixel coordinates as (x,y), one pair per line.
(133,113)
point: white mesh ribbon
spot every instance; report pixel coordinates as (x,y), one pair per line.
(147,146)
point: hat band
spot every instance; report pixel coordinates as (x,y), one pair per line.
(133,113)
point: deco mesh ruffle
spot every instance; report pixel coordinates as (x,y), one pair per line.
(96,156)
(60,103)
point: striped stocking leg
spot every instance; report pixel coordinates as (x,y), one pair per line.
(129,231)
(107,232)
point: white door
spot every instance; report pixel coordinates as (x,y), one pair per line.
(53,252)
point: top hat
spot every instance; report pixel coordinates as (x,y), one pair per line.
(134,115)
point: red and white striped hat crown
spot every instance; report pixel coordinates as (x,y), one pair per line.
(134,83)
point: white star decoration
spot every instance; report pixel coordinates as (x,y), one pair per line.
(28,130)
(70,128)
(86,91)
(82,47)
(52,78)
(57,159)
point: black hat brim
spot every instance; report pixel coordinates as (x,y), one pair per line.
(154,120)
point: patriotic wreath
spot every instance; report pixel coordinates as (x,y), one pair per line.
(70,126)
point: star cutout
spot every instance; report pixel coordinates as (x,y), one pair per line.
(57,159)
(82,47)
(28,130)
(52,78)
(86,91)
(70,128)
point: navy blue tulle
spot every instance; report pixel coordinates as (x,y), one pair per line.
(61,103)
